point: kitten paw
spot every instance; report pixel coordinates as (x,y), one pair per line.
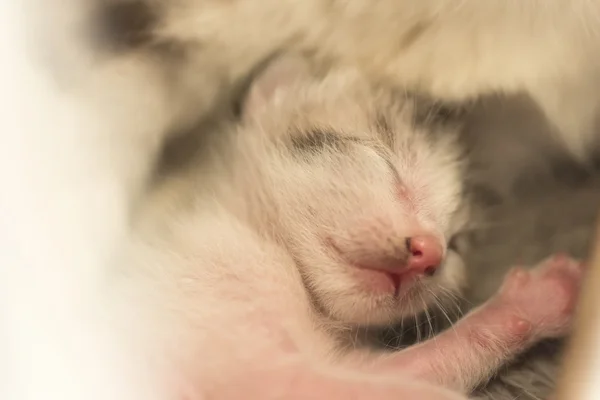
(544,297)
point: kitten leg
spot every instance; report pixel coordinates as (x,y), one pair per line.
(530,306)
(301,381)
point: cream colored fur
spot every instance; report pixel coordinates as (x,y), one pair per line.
(241,270)
(196,51)
(454,49)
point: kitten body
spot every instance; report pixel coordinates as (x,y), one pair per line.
(300,235)
(135,92)
(256,240)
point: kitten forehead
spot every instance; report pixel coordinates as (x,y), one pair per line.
(342,103)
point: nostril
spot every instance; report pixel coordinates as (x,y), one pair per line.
(413,247)
(416,253)
(425,254)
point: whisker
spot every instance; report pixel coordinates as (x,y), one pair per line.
(428,317)
(416,320)
(443,311)
(388,344)
(456,299)
(417,327)
(456,303)
(397,334)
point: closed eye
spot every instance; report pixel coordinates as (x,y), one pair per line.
(317,140)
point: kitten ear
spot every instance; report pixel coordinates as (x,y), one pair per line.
(277,77)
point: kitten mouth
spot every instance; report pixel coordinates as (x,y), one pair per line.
(377,279)
(378,282)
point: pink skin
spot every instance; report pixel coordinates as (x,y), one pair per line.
(426,254)
(530,306)
(365,255)
(299,382)
(416,256)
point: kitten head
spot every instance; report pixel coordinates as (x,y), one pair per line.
(364,196)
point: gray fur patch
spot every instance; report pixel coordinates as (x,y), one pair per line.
(125,25)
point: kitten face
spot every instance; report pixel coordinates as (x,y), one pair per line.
(355,192)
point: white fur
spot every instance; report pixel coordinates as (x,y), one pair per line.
(472,47)
(244,273)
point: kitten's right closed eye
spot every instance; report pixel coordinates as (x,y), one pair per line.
(315,141)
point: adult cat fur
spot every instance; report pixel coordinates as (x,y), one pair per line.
(173,61)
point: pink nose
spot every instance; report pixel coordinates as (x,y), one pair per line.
(426,254)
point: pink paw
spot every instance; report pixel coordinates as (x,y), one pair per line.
(544,298)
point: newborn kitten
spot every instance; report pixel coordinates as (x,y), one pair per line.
(149,85)
(331,210)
